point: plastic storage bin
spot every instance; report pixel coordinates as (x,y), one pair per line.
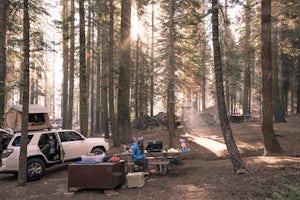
(135,179)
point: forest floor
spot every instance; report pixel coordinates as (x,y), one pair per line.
(206,172)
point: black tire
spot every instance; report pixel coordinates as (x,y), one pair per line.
(35,169)
(98,151)
(15,174)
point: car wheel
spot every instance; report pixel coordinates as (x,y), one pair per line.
(35,169)
(98,151)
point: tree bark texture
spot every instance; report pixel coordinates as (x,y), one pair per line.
(151,97)
(83,73)
(98,69)
(65,84)
(25,84)
(90,67)
(124,73)
(298,81)
(111,91)
(271,143)
(104,77)
(93,78)
(171,77)
(3,22)
(279,114)
(247,71)
(71,68)
(235,157)
(203,69)
(285,80)
(137,95)
(225,52)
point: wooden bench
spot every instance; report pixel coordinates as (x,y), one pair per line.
(162,165)
(131,167)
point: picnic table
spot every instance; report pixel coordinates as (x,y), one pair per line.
(159,159)
(238,118)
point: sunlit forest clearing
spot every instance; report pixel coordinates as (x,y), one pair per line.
(117,68)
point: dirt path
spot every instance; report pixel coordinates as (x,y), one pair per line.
(204,173)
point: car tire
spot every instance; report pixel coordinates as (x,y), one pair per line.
(35,169)
(98,151)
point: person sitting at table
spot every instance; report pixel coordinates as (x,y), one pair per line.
(139,157)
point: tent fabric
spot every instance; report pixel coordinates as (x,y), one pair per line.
(38,118)
(33,108)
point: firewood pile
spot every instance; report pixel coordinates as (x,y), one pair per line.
(147,122)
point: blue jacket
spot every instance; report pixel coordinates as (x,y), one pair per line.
(136,152)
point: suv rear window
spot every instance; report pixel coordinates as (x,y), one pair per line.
(17,141)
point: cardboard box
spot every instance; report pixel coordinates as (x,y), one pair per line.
(135,179)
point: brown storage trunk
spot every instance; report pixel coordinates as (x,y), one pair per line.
(96,176)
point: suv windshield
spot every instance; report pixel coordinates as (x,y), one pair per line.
(17,141)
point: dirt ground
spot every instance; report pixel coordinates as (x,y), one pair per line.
(205,172)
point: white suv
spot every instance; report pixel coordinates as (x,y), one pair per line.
(68,145)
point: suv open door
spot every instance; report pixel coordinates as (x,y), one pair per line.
(5,137)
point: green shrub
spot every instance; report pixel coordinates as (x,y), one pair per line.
(288,192)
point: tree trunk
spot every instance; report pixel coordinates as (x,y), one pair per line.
(151,98)
(89,67)
(271,143)
(298,73)
(25,84)
(171,77)
(104,102)
(114,132)
(285,81)
(65,31)
(247,71)
(298,86)
(203,70)
(279,113)
(93,83)
(286,68)
(137,94)
(141,66)
(98,69)
(297,39)
(225,52)
(3,22)
(235,157)
(83,73)
(71,68)
(124,73)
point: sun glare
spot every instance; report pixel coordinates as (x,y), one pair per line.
(139,27)
(218,148)
(136,28)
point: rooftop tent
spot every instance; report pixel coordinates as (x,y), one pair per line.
(38,118)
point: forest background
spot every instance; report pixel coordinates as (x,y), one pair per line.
(122,59)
